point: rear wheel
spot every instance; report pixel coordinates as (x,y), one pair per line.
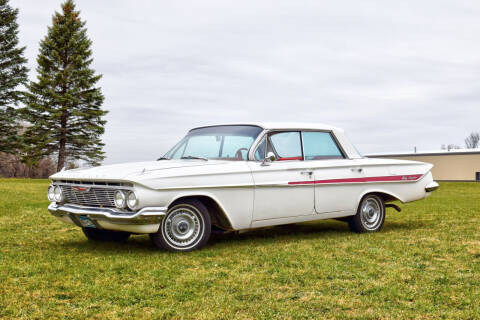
(186,227)
(370,215)
(94,234)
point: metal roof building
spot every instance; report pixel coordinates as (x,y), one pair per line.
(453,165)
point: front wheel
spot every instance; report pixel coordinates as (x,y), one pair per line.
(185,227)
(94,234)
(370,215)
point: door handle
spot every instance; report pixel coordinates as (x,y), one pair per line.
(357,169)
(309,172)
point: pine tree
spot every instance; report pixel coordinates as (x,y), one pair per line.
(13,73)
(63,105)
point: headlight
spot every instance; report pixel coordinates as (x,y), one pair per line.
(132,200)
(51,193)
(58,194)
(120,199)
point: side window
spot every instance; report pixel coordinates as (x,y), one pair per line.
(286,145)
(320,145)
(260,152)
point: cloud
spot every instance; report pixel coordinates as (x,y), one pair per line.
(394,74)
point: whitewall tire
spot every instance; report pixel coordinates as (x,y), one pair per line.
(370,215)
(185,227)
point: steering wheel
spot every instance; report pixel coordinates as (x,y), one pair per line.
(239,155)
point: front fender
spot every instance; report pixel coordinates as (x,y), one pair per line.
(235,202)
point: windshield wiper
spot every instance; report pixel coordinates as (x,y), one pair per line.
(163,158)
(192,157)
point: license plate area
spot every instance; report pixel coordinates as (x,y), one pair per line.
(86,222)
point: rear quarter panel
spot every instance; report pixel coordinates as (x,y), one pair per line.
(406,189)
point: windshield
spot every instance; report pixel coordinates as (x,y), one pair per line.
(218,143)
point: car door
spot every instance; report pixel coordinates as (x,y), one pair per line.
(283,187)
(334,174)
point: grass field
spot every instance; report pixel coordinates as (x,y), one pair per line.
(424,264)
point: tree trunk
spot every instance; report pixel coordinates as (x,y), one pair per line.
(15,167)
(63,142)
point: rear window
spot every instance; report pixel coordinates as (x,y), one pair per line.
(320,146)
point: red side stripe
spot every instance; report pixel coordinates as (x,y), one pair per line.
(410,177)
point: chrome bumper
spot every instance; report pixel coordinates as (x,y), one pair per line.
(432,186)
(147,215)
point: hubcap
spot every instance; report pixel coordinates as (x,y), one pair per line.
(371,213)
(183,227)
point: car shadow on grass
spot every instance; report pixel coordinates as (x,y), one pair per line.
(323,230)
(304,231)
(136,244)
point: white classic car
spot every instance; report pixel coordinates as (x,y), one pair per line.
(237,177)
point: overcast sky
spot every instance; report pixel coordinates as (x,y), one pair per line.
(393,74)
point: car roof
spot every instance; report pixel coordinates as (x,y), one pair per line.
(339,133)
(281,125)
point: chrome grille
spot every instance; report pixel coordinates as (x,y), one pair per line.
(92,197)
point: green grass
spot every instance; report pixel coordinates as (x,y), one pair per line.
(424,264)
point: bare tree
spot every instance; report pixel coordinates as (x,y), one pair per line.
(449,147)
(472,141)
(12,167)
(452,147)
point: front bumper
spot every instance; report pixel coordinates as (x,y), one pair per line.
(146,220)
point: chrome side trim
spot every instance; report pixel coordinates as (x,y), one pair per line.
(235,186)
(283,185)
(55,183)
(432,186)
(277,184)
(313,183)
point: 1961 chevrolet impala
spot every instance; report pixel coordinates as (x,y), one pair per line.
(237,177)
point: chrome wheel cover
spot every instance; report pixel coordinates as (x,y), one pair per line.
(371,213)
(183,227)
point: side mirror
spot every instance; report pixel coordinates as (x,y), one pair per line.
(269,158)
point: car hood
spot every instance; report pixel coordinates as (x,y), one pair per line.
(130,171)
